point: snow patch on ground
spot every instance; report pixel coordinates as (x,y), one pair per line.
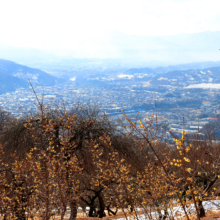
(162,78)
(204,72)
(204,86)
(178,211)
(125,76)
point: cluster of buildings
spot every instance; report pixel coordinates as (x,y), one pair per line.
(194,111)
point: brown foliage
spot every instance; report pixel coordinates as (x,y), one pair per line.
(55,160)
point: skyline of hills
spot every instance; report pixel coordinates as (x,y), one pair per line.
(13,76)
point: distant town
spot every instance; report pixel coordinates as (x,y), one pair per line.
(178,103)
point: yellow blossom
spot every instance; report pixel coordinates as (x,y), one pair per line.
(186,159)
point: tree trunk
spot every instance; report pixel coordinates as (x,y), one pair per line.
(165,214)
(201,209)
(92,211)
(73,208)
(101,206)
(160,214)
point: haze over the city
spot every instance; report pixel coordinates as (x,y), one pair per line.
(151,31)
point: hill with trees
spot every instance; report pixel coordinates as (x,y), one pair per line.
(58,159)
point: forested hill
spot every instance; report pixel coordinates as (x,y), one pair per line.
(13,76)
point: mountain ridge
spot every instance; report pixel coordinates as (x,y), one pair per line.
(13,76)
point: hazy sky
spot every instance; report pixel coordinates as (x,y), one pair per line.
(68,24)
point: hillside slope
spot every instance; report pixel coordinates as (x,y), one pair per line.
(13,76)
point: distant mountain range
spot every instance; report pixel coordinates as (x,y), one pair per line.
(181,77)
(187,66)
(13,76)
(26,56)
(174,77)
(181,48)
(188,77)
(139,70)
(124,49)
